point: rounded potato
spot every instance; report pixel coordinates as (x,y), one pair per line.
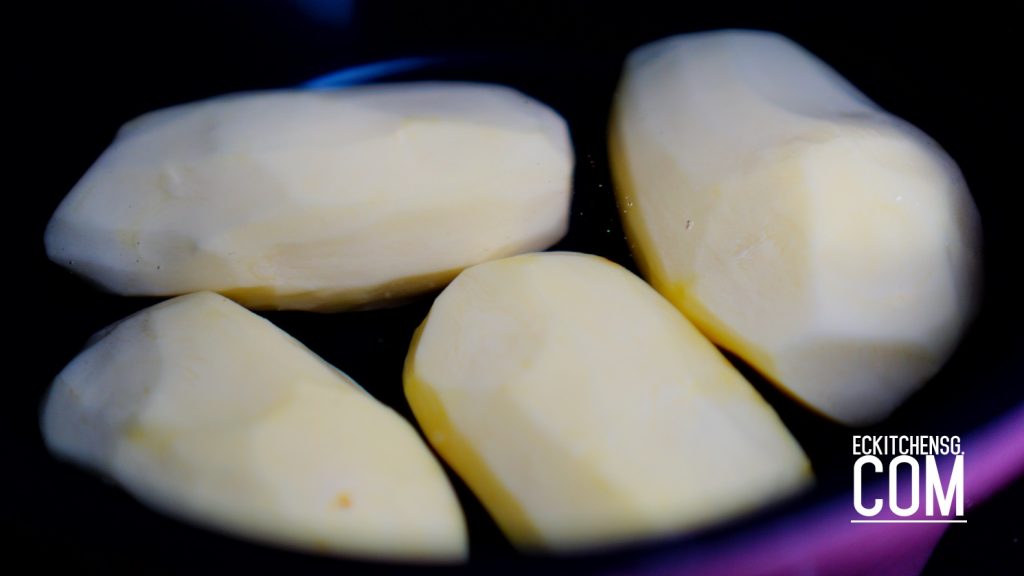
(830,245)
(208,412)
(585,411)
(322,200)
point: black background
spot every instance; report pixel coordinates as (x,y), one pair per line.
(81,70)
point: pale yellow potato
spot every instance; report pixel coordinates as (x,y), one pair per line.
(585,411)
(321,200)
(207,412)
(829,244)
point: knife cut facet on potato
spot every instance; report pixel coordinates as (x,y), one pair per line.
(829,244)
(321,200)
(205,411)
(585,411)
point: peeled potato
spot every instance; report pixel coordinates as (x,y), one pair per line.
(830,245)
(584,410)
(206,411)
(319,200)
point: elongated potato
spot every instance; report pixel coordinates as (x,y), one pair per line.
(832,246)
(205,411)
(319,200)
(584,410)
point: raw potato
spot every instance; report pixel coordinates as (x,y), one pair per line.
(832,246)
(319,200)
(585,411)
(206,411)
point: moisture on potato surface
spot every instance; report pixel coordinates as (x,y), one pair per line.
(829,244)
(203,410)
(585,411)
(322,200)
